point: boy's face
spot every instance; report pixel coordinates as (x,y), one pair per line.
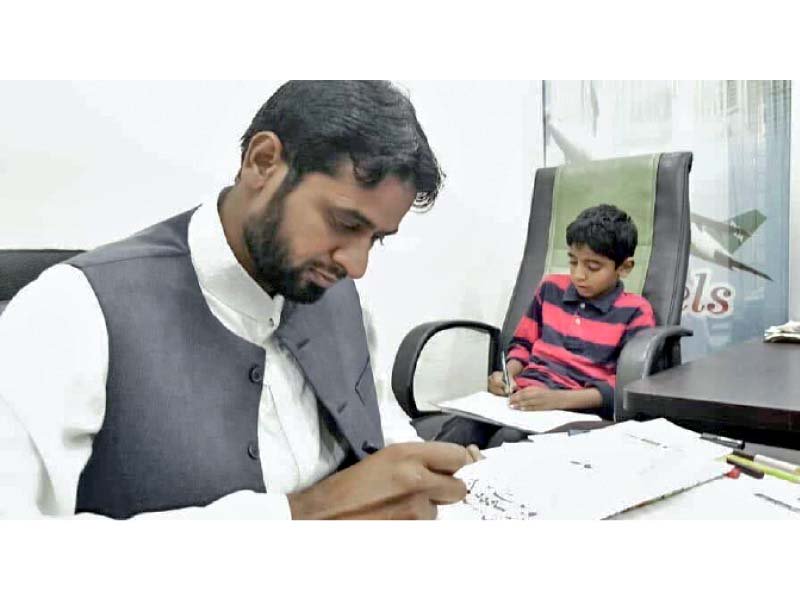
(593,274)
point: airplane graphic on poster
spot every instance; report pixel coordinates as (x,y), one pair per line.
(716,241)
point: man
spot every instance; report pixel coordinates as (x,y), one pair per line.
(221,354)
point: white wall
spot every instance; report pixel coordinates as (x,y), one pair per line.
(460,260)
(85,163)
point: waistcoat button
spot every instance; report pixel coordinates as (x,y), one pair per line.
(369,447)
(256,374)
(252,450)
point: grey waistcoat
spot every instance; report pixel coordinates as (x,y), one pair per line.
(182,392)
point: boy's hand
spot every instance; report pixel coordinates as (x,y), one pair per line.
(536,398)
(496,385)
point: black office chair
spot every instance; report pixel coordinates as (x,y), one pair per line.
(19,267)
(654,190)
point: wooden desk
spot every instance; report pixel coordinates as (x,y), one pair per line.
(750,391)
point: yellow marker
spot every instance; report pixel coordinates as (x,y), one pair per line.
(763,468)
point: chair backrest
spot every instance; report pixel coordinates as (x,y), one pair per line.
(668,253)
(19,267)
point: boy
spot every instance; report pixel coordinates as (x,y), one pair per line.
(564,352)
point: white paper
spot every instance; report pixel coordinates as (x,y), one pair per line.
(725,498)
(591,476)
(496,410)
(780,493)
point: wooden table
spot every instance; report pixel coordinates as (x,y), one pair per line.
(749,391)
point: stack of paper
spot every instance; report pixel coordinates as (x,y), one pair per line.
(484,406)
(789,332)
(590,476)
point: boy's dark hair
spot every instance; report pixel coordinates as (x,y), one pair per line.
(372,123)
(607,230)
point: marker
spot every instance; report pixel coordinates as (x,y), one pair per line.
(754,473)
(733,473)
(743,462)
(722,440)
(770,462)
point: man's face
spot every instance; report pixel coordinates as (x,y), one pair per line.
(305,240)
(593,274)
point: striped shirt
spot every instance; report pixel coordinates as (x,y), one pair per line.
(568,342)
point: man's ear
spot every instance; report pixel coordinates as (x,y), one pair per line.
(626,267)
(263,158)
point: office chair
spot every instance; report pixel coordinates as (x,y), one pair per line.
(654,190)
(19,267)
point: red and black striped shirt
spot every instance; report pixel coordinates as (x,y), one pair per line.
(568,342)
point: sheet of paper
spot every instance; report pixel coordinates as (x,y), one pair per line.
(591,476)
(779,493)
(725,498)
(495,410)
(663,433)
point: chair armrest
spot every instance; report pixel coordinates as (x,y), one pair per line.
(638,359)
(405,362)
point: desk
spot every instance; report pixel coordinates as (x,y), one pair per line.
(750,391)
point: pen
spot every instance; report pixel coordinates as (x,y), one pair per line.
(755,473)
(722,440)
(770,462)
(738,460)
(506,378)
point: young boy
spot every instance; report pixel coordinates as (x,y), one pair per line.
(565,348)
(564,351)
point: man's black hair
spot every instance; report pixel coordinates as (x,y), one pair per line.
(371,123)
(607,230)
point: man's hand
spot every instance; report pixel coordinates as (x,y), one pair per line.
(474,454)
(402,481)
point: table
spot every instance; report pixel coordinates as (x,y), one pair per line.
(749,391)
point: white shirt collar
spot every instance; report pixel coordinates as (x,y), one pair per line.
(221,275)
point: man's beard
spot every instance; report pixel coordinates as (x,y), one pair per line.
(270,254)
